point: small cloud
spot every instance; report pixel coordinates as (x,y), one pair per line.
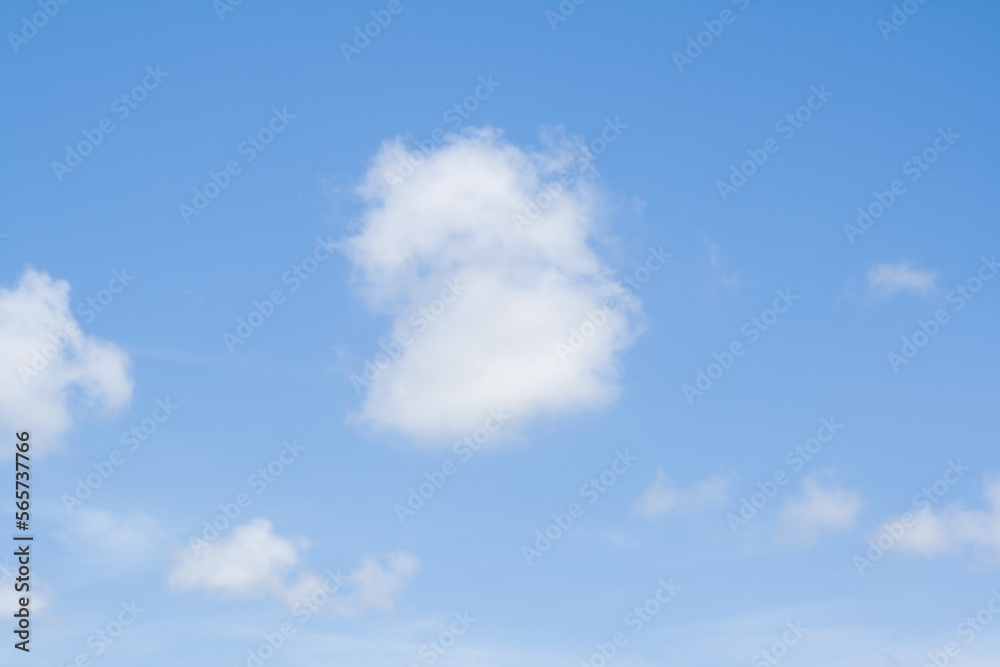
(884,280)
(377,587)
(663,497)
(45,360)
(372,586)
(726,282)
(251,562)
(819,509)
(954,528)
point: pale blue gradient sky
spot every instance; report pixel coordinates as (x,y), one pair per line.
(825,357)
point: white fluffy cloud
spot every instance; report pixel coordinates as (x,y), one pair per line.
(884,280)
(955,528)
(46,362)
(662,497)
(480,301)
(820,508)
(251,561)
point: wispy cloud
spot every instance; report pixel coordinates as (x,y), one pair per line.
(122,538)
(821,507)
(252,561)
(723,280)
(954,528)
(662,497)
(885,280)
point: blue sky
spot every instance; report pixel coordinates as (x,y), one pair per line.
(593,214)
